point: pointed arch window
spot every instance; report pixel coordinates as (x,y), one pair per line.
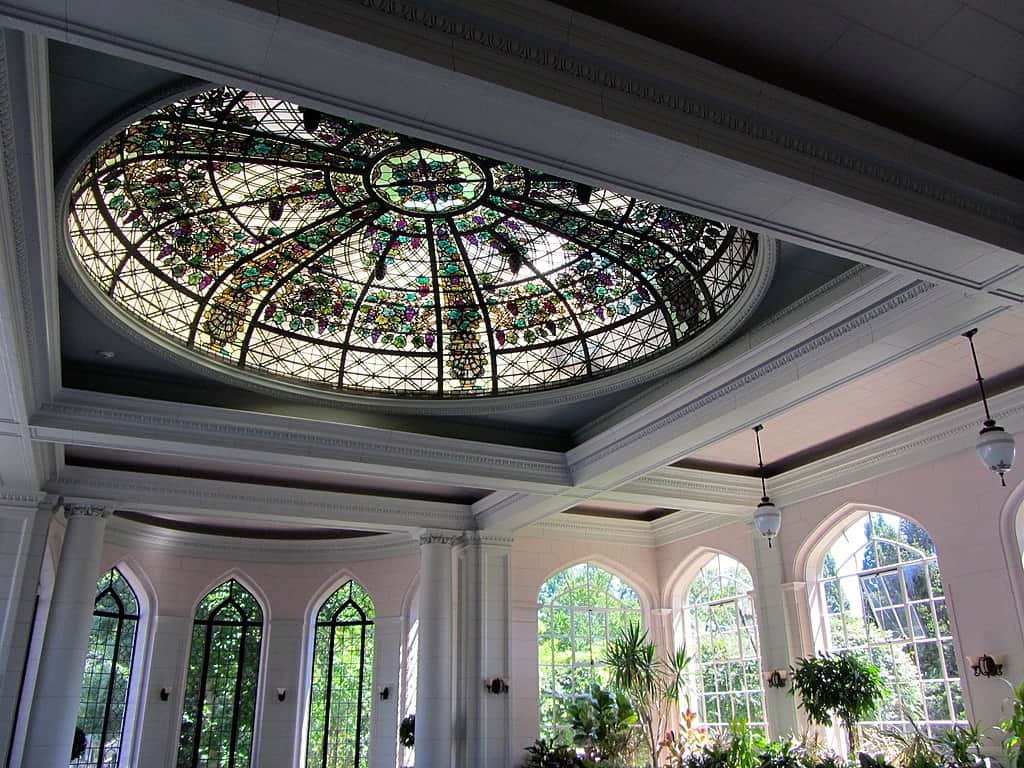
(106,681)
(341,681)
(880,593)
(722,636)
(219,713)
(581,608)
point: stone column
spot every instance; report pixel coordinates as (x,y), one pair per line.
(661,634)
(51,725)
(434,680)
(486,609)
(24,523)
(773,634)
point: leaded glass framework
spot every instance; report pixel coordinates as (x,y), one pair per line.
(342,681)
(881,593)
(722,636)
(106,681)
(581,608)
(219,713)
(347,257)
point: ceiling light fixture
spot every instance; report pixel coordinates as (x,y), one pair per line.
(995,446)
(310,119)
(767,517)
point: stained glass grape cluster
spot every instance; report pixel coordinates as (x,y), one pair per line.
(354,258)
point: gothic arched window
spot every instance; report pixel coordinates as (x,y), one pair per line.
(881,593)
(108,671)
(581,608)
(219,714)
(341,681)
(722,638)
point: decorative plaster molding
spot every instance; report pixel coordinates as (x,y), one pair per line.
(581,528)
(448,538)
(131,534)
(157,422)
(153,493)
(573,62)
(87,510)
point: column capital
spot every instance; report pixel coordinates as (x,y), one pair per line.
(88,508)
(794,586)
(438,536)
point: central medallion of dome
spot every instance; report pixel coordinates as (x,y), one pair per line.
(286,247)
(427,181)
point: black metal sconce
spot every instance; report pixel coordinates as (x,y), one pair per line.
(165,693)
(497,685)
(385,692)
(281,692)
(986,666)
(777,678)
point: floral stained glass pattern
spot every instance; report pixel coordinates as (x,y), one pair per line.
(329,252)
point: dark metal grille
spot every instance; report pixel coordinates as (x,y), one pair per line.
(219,713)
(341,681)
(108,671)
(353,258)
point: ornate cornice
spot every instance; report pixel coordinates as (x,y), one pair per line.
(447,538)
(87,510)
(572,62)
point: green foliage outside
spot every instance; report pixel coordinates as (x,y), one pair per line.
(220,689)
(342,681)
(107,674)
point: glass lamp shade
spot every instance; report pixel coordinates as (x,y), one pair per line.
(996,449)
(767,519)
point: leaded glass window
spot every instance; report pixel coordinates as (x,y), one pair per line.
(722,638)
(881,594)
(581,608)
(219,713)
(342,681)
(265,236)
(106,681)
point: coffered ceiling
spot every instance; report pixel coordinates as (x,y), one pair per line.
(844,360)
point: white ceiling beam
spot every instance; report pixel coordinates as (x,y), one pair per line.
(200,499)
(117,422)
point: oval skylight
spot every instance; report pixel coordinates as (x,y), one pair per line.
(327,252)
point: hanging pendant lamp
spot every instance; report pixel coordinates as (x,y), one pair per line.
(767,517)
(995,445)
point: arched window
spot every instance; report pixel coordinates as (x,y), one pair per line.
(581,608)
(108,671)
(881,593)
(223,670)
(342,681)
(722,639)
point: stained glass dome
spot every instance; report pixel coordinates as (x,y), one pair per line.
(324,251)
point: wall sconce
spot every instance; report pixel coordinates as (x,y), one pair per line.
(281,694)
(777,678)
(165,693)
(986,666)
(496,685)
(384,692)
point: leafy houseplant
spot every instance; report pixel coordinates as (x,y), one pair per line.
(653,684)
(545,754)
(1013,728)
(407,731)
(601,722)
(841,684)
(78,744)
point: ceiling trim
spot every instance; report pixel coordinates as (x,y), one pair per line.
(131,534)
(187,496)
(78,417)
